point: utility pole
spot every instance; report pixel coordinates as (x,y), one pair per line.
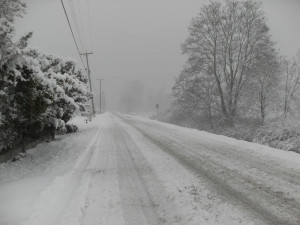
(100,95)
(86,54)
(157,107)
(103,101)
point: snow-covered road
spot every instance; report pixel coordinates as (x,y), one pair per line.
(123,169)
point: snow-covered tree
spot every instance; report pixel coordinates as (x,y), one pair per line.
(196,92)
(226,39)
(25,96)
(263,89)
(73,81)
(11,61)
(290,82)
(36,90)
(9,50)
(9,11)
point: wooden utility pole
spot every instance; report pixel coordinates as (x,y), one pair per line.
(103,101)
(100,107)
(86,54)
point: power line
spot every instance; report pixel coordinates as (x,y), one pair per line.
(82,23)
(77,27)
(90,32)
(72,32)
(80,54)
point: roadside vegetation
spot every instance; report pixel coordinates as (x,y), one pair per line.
(38,92)
(235,82)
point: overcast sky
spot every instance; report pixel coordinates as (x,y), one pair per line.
(137,39)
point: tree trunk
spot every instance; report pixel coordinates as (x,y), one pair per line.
(262,108)
(223,106)
(210,119)
(52,133)
(23,145)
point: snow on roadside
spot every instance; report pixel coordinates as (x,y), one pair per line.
(66,190)
(24,183)
(280,156)
(49,156)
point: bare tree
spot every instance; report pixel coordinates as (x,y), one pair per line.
(196,92)
(291,82)
(226,39)
(265,83)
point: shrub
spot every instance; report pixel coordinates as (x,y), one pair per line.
(282,135)
(71,128)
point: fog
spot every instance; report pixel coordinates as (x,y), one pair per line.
(136,41)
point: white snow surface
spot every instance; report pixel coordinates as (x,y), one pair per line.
(122,169)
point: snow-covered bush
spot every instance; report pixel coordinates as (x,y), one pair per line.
(281,135)
(72,81)
(67,81)
(35,88)
(71,128)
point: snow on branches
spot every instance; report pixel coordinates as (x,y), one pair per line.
(36,90)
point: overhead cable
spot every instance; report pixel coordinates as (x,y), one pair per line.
(77,27)
(72,32)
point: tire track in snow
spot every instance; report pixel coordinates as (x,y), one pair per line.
(228,151)
(102,205)
(124,189)
(137,202)
(255,169)
(287,211)
(56,204)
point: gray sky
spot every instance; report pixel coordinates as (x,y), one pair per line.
(137,39)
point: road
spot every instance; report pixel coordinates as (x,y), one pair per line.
(136,171)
